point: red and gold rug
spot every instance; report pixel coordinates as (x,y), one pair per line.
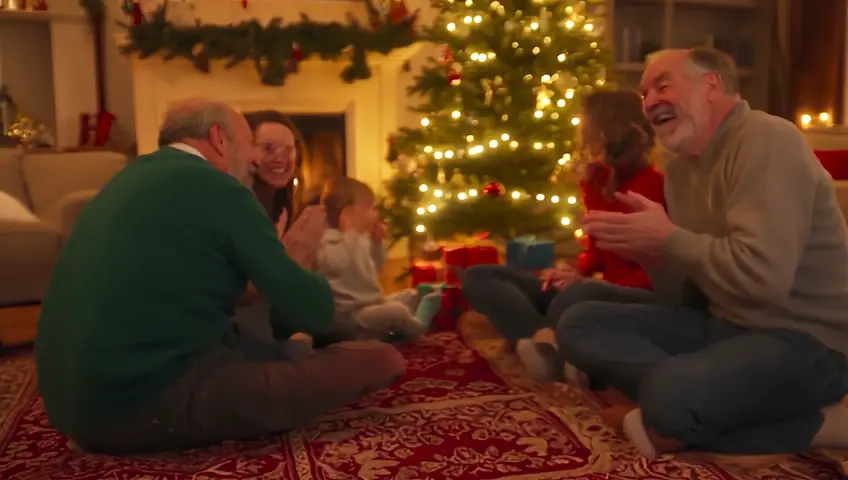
(463,411)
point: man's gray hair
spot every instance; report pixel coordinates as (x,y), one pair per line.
(192,120)
(701,60)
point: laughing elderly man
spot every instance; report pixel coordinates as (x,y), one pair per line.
(753,226)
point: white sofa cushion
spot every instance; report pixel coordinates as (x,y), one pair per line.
(11,209)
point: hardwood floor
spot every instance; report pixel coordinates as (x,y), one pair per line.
(18,324)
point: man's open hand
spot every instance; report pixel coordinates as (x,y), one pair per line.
(637,235)
(304,237)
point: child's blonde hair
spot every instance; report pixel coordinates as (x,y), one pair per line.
(342,192)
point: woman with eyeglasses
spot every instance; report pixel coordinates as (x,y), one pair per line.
(275,176)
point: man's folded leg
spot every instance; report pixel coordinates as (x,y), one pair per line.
(759,392)
(224,396)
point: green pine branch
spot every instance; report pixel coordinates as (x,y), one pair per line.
(268,47)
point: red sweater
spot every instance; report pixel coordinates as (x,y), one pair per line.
(647,182)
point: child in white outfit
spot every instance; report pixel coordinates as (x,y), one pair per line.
(350,256)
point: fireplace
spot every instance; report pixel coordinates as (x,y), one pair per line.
(322,152)
(370,110)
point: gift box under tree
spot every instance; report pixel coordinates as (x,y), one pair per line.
(529,253)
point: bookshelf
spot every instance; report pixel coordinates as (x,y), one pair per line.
(741,28)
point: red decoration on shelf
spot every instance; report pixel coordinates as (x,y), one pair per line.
(493,190)
(40,5)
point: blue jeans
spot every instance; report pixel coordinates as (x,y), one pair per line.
(517,307)
(707,382)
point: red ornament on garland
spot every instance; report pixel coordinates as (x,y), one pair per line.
(493,189)
(137,14)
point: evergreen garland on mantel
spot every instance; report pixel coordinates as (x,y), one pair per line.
(275,49)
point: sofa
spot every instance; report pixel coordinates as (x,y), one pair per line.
(53,187)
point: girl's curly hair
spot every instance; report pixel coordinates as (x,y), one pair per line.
(616,133)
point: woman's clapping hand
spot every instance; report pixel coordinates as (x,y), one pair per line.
(304,237)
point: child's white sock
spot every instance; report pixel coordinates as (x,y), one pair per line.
(428,307)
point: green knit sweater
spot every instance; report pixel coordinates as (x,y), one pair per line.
(149,279)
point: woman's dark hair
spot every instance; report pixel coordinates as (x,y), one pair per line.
(275,200)
(617,133)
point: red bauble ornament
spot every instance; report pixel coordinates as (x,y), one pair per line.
(493,189)
(447,56)
(295,52)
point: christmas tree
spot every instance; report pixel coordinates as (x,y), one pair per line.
(499,120)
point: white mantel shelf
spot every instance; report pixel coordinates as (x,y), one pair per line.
(40,16)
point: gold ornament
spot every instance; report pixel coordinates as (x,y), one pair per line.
(488,91)
(24,129)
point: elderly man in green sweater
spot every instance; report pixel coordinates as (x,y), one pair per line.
(131,349)
(753,228)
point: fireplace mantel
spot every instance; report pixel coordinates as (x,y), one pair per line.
(372,107)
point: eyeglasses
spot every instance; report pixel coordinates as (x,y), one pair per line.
(275,149)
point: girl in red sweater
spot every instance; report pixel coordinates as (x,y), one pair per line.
(617,146)
(617,142)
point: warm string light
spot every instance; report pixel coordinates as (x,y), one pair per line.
(439,195)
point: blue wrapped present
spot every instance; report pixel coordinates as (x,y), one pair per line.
(529,253)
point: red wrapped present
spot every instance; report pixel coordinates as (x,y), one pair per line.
(453,305)
(458,258)
(425,272)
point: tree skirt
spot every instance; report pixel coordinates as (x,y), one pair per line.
(463,411)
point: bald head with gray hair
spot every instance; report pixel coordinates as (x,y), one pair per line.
(701,60)
(217,131)
(192,119)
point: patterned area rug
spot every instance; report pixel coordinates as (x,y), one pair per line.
(463,411)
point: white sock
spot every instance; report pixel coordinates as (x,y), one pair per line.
(535,364)
(636,432)
(574,376)
(834,430)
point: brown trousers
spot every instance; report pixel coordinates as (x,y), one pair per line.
(228,395)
